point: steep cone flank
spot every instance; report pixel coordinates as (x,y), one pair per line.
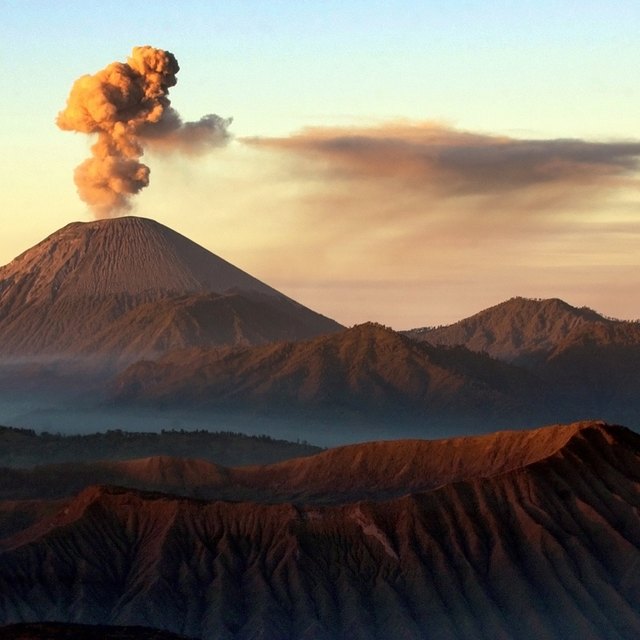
(130,288)
(547,551)
(120,255)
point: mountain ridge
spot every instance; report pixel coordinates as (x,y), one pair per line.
(362,370)
(374,471)
(541,552)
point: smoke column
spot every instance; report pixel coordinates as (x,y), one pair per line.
(127,106)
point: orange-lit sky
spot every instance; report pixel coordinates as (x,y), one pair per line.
(409,163)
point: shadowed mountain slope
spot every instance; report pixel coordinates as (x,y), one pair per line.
(548,550)
(106,288)
(367,369)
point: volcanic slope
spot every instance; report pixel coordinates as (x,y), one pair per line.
(547,550)
(130,287)
(368,369)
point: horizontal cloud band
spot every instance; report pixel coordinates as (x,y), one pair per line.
(453,162)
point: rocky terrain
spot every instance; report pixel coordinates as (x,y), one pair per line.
(518,535)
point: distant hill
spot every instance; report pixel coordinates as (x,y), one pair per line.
(366,370)
(592,363)
(526,331)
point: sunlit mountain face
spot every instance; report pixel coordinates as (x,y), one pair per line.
(486,535)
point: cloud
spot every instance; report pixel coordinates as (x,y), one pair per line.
(393,192)
(447,162)
(126,106)
(414,224)
(188,138)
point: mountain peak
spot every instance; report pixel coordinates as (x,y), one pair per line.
(123,282)
(550,306)
(515,328)
(123,255)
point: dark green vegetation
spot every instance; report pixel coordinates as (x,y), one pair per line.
(26,448)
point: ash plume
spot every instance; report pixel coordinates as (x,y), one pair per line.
(126,105)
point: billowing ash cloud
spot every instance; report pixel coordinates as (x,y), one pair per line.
(127,106)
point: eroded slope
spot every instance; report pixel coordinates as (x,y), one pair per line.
(548,550)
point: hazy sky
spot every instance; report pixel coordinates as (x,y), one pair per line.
(404,162)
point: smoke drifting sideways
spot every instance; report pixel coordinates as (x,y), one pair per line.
(127,106)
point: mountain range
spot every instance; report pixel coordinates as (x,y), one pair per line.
(584,365)
(367,369)
(126,315)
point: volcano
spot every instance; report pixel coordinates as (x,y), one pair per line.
(126,288)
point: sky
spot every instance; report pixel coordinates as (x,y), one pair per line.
(409,163)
